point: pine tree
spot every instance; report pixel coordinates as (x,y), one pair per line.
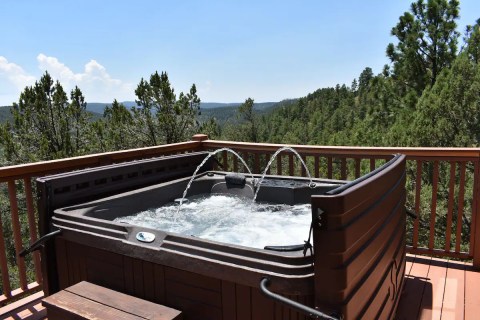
(427,42)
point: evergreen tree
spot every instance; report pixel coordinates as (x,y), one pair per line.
(427,42)
(46,124)
(247,114)
(447,114)
(160,116)
(472,41)
(115,131)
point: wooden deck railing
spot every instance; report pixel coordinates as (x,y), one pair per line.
(18,222)
(442,186)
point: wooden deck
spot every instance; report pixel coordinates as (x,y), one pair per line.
(439,289)
(434,289)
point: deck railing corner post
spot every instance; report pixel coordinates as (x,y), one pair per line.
(199,137)
(475,220)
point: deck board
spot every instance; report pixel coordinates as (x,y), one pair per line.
(439,289)
(434,289)
(472,296)
(432,300)
(454,296)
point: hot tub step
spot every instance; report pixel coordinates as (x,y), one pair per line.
(85,300)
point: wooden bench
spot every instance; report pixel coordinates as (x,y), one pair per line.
(85,300)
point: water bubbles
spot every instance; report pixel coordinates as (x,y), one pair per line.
(230,219)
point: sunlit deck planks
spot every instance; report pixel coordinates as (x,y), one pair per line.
(434,289)
(439,289)
(29,308)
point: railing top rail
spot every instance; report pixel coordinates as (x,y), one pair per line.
(350,150)
(44,167)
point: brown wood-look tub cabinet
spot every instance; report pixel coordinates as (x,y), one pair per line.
(355,269)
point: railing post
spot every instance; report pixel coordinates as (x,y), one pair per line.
(199,137)
(17,236)
(475,215)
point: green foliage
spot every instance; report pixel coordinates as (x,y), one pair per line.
(161,117)
(246,114)
(447,113)
(115,130)
(210,128)
(427,42)
(472,40)
(46,124)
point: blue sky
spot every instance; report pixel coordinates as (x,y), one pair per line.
(231,50)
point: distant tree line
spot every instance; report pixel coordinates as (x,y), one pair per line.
(49,124)
(427,96)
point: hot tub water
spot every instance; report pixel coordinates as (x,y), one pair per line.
(230,219)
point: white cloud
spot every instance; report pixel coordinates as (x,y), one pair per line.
(95,82)
(14,74)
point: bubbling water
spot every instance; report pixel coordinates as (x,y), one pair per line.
(230,219)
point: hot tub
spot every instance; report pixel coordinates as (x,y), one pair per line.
(356,269)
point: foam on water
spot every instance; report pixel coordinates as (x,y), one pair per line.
(230,219)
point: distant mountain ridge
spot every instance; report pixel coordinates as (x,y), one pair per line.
(100,106)
(227,110)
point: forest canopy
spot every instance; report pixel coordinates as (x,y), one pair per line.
(429,95)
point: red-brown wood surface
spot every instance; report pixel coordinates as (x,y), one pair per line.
(22,271)
(88,301)
(439,289)
(432,300)
(32,226)
(357,167)
(451,192)
(3,263)
(461,197)
(461,299)
(454,295)
(329,167)
(433,210)
(472,297)
(475,224)
(418,188)
(197,296)
(466,157)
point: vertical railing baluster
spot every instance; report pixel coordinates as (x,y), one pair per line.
(418,189)
(475,222)
(343,168)
(256,163)
(461,198)
(267,159)
(329,167)
(235,164)
(433,212)
(291,169)
(372,164)
(32,226)
(317,167)
(225,160)
(4,263)
(451,192)
(279,164)
(357,167)
(304,172)
(17,236)
(244,155)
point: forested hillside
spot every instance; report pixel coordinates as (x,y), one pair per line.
(429,95)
